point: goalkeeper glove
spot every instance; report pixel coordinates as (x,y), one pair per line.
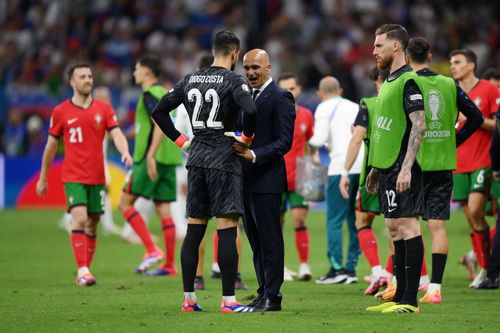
(240,137)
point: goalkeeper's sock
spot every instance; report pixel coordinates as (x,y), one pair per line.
(189,255)
(302,243)
(137,223)
(228,259)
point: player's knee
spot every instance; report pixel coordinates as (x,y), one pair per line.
(476,215)
(123,205)
(79,223)
(299,223)
(362,223)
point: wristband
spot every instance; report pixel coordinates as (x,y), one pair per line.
(344,173)
(246,139)
(181,140)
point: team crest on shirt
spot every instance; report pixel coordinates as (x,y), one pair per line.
(245,87)
(477,101)
(98,120)
(303,127)
(71,199)
(436,107)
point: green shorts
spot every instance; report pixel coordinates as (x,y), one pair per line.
(163,189)
(91,196)
(476,181)
(366,202)
(294,199)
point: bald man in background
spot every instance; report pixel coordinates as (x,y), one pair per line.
(264,177)
(333,121)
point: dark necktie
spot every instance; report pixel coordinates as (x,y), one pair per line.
(255,94)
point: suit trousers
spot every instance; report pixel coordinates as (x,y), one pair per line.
(262,226)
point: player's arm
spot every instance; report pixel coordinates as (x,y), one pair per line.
(472,114)
(360,125)
(493,96)
(48,156)
(121,144)
(242,97)
(413,106)
(161,115)
(150,102)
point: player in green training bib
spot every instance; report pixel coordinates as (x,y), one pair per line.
(437,155)
(396,135)
(367,206)
(153,174)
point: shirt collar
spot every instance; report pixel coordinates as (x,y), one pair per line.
(264,86)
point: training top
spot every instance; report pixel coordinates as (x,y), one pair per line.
(399,96)
(364,119)
(167,153)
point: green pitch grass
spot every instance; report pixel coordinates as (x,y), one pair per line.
(38,292)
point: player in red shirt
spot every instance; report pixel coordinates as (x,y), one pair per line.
(471,180)
(303,131)
(82,122)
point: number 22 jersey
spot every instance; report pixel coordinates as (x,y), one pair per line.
(83,131)
(210,96)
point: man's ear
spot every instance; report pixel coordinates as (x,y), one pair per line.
(396,46)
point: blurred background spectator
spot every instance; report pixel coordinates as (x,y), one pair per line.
(312,38)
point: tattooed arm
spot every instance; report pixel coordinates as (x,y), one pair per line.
(414,141)
(413,104)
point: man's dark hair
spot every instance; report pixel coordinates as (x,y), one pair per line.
(418,49)
(150,62)
(469,55)
(394,31)
(491,73)
(287,76)
(206,60)
(376,73)
(225,41)
(72,68)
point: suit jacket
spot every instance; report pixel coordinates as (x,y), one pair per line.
(273,139)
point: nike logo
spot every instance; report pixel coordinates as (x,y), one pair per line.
(392,209)
(71,121)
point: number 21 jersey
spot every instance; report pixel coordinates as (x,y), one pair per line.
(83,131)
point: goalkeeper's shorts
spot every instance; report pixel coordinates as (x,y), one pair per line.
(213,192)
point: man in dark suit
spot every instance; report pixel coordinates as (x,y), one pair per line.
(264,177)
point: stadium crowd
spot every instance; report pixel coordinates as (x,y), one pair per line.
(311,38)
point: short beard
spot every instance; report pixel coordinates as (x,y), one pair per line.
(385,64)
(233,66)
(84,93)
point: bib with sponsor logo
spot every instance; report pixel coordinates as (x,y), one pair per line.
(438,149)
